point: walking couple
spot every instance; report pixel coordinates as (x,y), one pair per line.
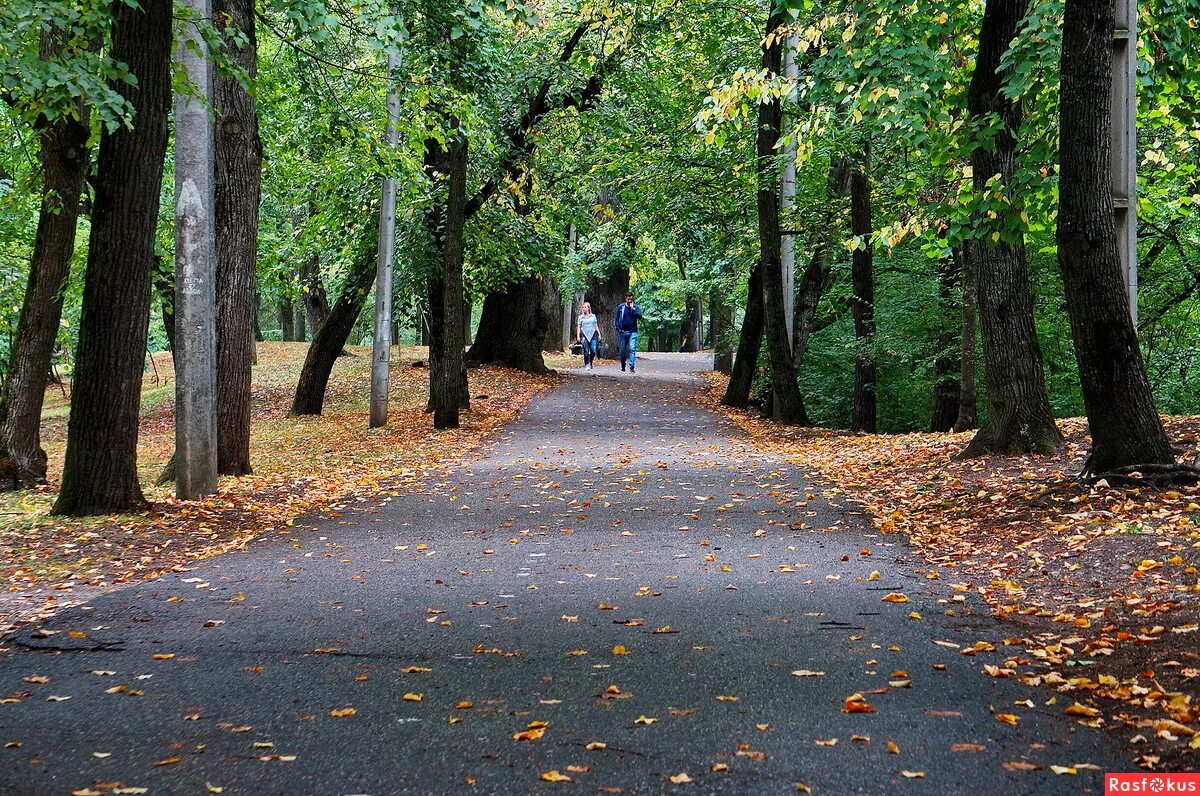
(625,321)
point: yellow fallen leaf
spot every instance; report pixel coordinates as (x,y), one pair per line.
(719,767)
(1008,718)
(596,746)
(553,775)
(167,761)
(529,735)
(726,698)
(620,649)
(644,720)
(680,778)
(163,656)
(895,597)
(807,673)
(339,713)
(1064,770)
(913,774)
(802,788)
(893,747)
(1077,709)
(874,575)
(411,697)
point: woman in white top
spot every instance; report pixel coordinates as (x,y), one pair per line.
(588,333)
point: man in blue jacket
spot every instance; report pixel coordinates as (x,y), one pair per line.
(625,320)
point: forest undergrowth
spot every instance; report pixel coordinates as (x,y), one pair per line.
(301,465)
(1096,586)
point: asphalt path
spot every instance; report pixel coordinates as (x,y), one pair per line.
(622,565)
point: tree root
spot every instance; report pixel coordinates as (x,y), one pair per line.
(1144,475)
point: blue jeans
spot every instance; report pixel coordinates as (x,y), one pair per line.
(590,347)
(629,341)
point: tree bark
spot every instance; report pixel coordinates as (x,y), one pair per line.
(1019,419)
(817,278)
(552,308)
(605,295)
(1126,428)
(720,325)
(287,320)
(258,332)
(298,323)
(64,158)
(737,392)
(450,371)
(238,190)
(787,403)
(513,322)
(967,401)
(316,299)
(947,370)
(100,471)
(865,416)
(329,340)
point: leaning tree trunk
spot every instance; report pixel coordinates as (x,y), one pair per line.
(947,370)
(450,366)
(1019,419)
(1126,429)
(863,279)
(64,159)
(100,472)
(512,326)
(329,340)
(966,419)
(238,179)
(745,363)
(817,278)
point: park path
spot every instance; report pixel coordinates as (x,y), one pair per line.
(618,511)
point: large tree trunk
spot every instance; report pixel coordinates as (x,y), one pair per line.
(1126,429)
(64,158)
(865,416)
(238,178)
(329,340)
(449,374)
(691,332)
(605,295)
(966,419)
(787,403)
(513,324)
(298,323)
(557,335)
(745,363)
(1019,419)
(947,370)
(100,471)
(720,326)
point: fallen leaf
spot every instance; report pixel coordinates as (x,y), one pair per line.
(553,775)
(1008,718)
(913,774)
(895,597)
(680,778)
(339,713)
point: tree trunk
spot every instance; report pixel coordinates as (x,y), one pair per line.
(605,295)
(788,405)
(100,471)
(258,332)
(64,158)
(720,326)
(552,308)
(863,283)
(817,278)
(947,370)
(1126,428)
(513,324)
(328,341)
(691,331)
(316,300)
(238,178)
(298,323)
(966,381)
(287,321)
(1019,419)
(449,373)
(737,393)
